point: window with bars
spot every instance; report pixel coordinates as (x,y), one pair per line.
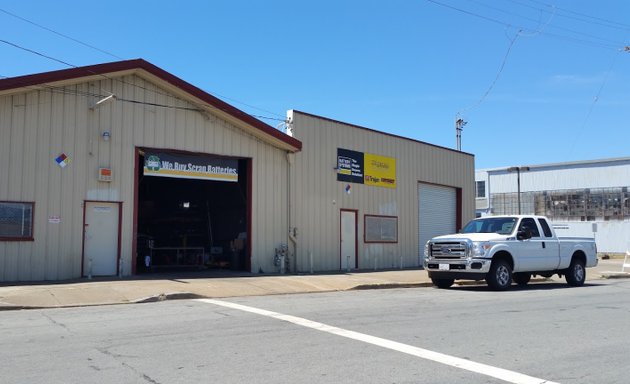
(16,221)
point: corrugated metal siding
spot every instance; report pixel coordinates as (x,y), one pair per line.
(601,176)
(318,197)
(37,126)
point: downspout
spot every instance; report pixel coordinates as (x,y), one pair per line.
(292,231)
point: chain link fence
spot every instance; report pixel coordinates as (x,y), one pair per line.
(605,204)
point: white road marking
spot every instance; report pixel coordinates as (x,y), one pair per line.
(498,373)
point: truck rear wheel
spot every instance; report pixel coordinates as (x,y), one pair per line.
(500,276)
(442,283)
(522,278)
(576,273)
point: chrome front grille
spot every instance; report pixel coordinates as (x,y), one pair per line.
(448,250)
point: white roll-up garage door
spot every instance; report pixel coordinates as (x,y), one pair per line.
(437,213)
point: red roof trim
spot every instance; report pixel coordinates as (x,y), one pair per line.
(101,69)
(381,132)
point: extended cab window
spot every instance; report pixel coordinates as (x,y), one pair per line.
(16,221)
(545,227)
(500,225)
(528,224)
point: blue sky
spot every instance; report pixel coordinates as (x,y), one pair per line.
(538,81)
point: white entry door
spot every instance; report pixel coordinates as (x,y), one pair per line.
(348,240)
(100,243)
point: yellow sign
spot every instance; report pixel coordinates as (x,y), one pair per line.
(379,170)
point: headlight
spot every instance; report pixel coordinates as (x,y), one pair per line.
(426,249)
(479,249)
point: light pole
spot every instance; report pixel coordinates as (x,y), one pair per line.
(518,171)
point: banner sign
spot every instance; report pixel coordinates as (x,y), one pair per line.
(366,168)
(177,165)
(349,166)
(380,170)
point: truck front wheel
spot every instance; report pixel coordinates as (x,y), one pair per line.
(442,283)
(500,276)
(576,274)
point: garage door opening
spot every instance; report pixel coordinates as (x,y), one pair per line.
(191,218)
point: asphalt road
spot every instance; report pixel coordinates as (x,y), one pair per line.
(525,335)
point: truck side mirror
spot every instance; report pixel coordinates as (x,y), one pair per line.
(523,235)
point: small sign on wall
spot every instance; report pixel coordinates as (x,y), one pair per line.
(62,160)
(105,174)
(54,219)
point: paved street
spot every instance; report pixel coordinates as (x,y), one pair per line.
(545,331)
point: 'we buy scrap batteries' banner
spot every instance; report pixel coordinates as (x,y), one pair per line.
(366,168)
(184,166)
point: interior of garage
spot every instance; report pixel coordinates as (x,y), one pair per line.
(192,224)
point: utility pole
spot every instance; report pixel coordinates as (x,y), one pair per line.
(518,171)
(459,127)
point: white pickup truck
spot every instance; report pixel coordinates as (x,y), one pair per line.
(500,249)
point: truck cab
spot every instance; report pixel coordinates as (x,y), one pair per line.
(500,249)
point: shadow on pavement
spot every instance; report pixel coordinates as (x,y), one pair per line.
(535,286)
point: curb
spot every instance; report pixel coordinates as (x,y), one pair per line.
(363,287)
(190,295)
(168,296)
(15,307)
(615,275)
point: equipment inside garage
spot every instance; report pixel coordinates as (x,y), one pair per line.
(192,212)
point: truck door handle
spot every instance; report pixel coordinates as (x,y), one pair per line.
(543,243)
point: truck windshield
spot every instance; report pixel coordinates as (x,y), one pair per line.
(500,225)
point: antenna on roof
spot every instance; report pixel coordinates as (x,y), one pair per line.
(459,127)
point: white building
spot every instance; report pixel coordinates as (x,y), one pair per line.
(582,198)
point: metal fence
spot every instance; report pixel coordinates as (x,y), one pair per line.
(605,204)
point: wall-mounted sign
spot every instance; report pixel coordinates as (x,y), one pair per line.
(349,166)
(380,170)
(105,174)
(366,168)
(62,160)
(183,166)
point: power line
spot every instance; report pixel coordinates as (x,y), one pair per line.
(269,118)
(245,104)
(496,78)
(123,82)
(604,22)
(59,34)
(595,100)
(617,43)
(107,53)
(470,13)
(522,28)
(75,66)
(37,53)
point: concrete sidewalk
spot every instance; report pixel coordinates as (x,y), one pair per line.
(154,288)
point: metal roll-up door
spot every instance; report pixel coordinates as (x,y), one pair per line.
(437,213)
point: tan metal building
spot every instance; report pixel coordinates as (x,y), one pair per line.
(71,180)
(123,168)
(366,199)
